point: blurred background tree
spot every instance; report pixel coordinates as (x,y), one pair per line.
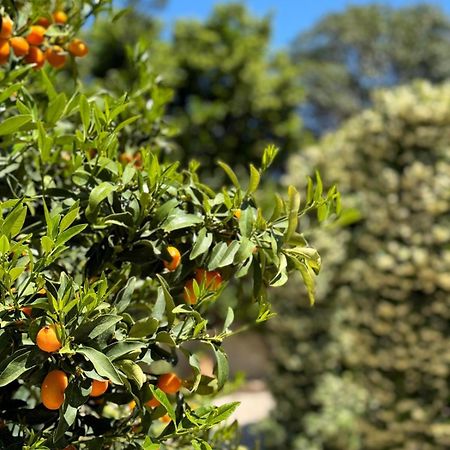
(368,366)
(346,55)
(232,95)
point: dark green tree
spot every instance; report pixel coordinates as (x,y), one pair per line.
(346,55)
(232,96)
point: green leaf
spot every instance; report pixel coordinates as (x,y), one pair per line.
(222,368)
(16,365)
(144,328)
(129,121)
(223,412)
(55,108)
(14,221)
(162,398)
(180,220)
(132,371)
(69,218)
(97,195)
(4,245)
(9,91)
(202,244)
(85,113)
(231,175)
(101,363)
(170,305)
(293,207)
(12,124)
(94,328)
(69,234)
(255,178)
(47,244)
(217,254)
(123,297)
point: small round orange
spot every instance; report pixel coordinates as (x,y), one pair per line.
(125,158)
(35,56)
(59,17)
(47,339)
(212,279)
(52,389)
(169,383)
(36,35)
(26,310)
(237,214)
(175,261)
(98,388)
(6,29)
(5,48)
(189,293)
(78,48)
(43,22)
(55,56)
(152,403)
(165,419)
(20,46)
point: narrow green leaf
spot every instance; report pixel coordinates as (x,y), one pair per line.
(12,124)
(101,363)
(231,175)
(202,244)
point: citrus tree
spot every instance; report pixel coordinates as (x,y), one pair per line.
(112,260)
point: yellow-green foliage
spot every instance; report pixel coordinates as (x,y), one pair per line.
(382,317)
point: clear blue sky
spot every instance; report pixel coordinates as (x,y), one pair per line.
(290,16)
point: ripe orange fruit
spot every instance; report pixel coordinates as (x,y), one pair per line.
(98,387)
(132,404)
(212,279)
(36,35)
(26,310)
(125,158)
(237,214)
(152,403)
(7,26)
(175,261)
(165,418)
(59,17)
(78,48)
(55,56)
(189,294)
(42,291)
(35,56)
(52,389)
(47,339)
(43,22)
(4,48)
(169,383)
(19,45)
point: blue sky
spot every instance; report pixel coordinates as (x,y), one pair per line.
(290,16)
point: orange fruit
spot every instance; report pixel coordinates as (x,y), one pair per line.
(43,22)
(36,35)
(152,403)
(165,418)
(26,310)
(175,261)
(59,17)
(212,279)
(47,339)
(35,56)
(5,48)
(19,45)
(237,214)
(52,389)
(7,26)
(125,158)
(189,294)
(78,48)
(42,291)
(98,387)
(55,56)
(169,383)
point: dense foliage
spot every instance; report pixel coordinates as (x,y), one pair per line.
(346,55)
(371,369)
(112,260)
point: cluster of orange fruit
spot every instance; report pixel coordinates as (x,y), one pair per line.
(34,47)
(48,340)
(212,280)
